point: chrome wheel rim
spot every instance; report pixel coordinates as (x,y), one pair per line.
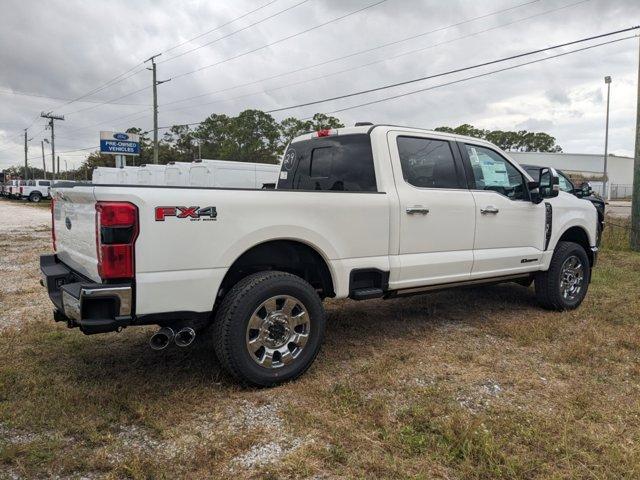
(571,278)
(278,331)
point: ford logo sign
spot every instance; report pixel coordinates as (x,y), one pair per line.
(121,136)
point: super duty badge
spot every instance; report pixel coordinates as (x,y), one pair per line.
(192,213)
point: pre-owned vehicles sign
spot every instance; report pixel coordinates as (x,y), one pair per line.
(119,143)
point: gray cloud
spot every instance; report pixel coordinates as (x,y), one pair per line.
(66,48)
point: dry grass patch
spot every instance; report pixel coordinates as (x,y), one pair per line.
(470,383)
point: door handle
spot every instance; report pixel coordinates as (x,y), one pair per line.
(417,209)
(489,209)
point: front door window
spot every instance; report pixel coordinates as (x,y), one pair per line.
(492,171)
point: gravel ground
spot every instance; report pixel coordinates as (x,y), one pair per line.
(21,217)
(22,224)
(618,209)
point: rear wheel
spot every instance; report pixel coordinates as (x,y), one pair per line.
(565,284)
(35,197)
(269,328)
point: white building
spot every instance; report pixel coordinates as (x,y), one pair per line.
(620,169)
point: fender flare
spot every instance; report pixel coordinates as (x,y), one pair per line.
(319,244)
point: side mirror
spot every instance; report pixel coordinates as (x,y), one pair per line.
(547,187)
(586,189)
(549,182)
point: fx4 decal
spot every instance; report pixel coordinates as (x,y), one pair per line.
(192,213)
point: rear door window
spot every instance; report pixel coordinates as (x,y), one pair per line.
(338,163)
(427,163)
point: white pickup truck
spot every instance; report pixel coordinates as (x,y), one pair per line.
(35,190)
(12,188)
(362,212)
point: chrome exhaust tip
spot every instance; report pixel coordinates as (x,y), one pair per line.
(185,337)
(161,338)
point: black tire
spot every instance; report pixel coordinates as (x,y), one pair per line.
(35,197)
(231,327)
(548,285)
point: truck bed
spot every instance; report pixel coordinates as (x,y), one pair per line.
(180,262)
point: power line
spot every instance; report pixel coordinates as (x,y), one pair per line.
(462,79)
(283,39)
(71,151)
(39,95)
(219,26)
(353,54)
(105,122)
(235,31)
(433,87)
(111,101)
(357,67)
(457,70)
(138,67)
(109,83)
(237,56)
(482,75)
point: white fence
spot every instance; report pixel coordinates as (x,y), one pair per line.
(621,191)
(616,190)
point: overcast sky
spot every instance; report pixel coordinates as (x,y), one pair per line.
(56,51)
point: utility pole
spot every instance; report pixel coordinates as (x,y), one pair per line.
(155,104)
(53,162)
(51,118)
(605,185)
(26,168)
(635,202)
(44,164)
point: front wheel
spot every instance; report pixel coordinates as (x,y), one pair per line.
(269,328)
(565,284)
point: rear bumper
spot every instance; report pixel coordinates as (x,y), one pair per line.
(94,307)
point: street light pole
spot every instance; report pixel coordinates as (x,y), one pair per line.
(606,185)
(44,164)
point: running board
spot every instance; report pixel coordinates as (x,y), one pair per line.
(445,286)
(367,293)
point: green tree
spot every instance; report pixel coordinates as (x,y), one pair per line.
(212,133)
(320,121)
(252,136)
(522,140)
(290,128)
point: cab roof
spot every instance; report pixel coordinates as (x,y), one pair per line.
(368,129)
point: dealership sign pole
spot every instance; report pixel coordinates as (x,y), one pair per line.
(120,144)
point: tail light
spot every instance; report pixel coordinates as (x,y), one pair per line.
(116,233)
(21,190)
(53,224)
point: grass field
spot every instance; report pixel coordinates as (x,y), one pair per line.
(472,383)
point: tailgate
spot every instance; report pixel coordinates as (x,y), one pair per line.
(74,226)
